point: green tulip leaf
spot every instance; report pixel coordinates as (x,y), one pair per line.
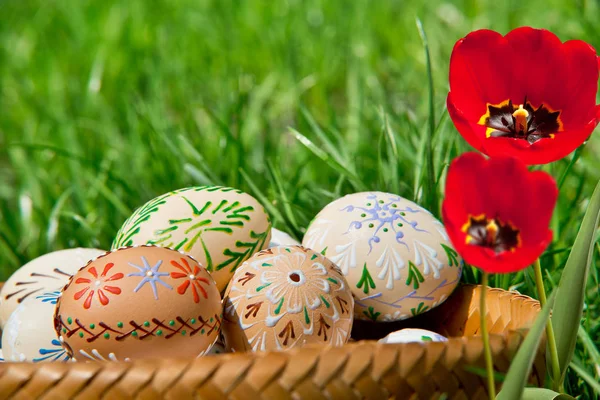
(544,394)
(520,367)
(566,316)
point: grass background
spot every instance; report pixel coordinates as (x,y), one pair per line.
(107,104)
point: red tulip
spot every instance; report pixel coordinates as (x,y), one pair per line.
(497,212)
(525,94)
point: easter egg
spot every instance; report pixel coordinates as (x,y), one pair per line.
(29,332)
(220,227)
(46,273)
(217,348)
(280,238)
(395,255)
(139,302)
(409,335)
(285,297)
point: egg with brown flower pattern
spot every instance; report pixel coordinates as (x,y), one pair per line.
(285,297)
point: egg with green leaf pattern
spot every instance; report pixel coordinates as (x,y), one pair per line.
(395,255)
(220,227)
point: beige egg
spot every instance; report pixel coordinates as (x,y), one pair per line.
(139,302)
(220,227)
(280,238)
(410,335)
(285,297)
(46,273)
(29,332)
(395,255)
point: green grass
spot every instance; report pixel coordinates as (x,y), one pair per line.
(105,105)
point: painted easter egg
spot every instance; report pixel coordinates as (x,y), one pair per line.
(280,238)
(395,255)
(217,348)
(286,297)
(220,227)
(46,273)
(29,332)
(409,335)
(139,302)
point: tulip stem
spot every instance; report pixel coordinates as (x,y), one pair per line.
(489,365)
(556,375)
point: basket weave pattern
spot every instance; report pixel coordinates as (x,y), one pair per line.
(364,369)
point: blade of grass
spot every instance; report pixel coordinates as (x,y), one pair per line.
(352,177)
(594,384)
(430,192)
(574,158)
(591,348)
(520,367)
(544,394)
(271,209)
(571,288)
(323,137)
(53,221)
(277,181)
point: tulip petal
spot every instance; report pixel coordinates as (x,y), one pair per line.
(502,190)
(527,65)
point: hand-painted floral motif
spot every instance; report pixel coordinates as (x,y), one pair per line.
(35,282)
(218,226)
(393,253)
(96,356)
(165,295)
(95,285)
(150,275)
(383,215)
(427,256)
(49,297)
(295,283)
(284,297)
(390,263)
(191,279)
(54,353)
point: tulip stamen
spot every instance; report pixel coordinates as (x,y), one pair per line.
(491,233)
(521,122)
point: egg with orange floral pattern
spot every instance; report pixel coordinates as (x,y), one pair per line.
(285,297)
(139,302)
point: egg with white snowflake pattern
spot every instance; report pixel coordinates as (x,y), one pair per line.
(395,255)
(285,297)
(29,334)
(409,335)
(139,302)
(46,273)
(220,227)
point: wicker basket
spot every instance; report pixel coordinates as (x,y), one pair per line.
(364,369)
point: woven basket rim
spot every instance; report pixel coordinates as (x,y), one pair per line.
(506,334)
(360,369)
